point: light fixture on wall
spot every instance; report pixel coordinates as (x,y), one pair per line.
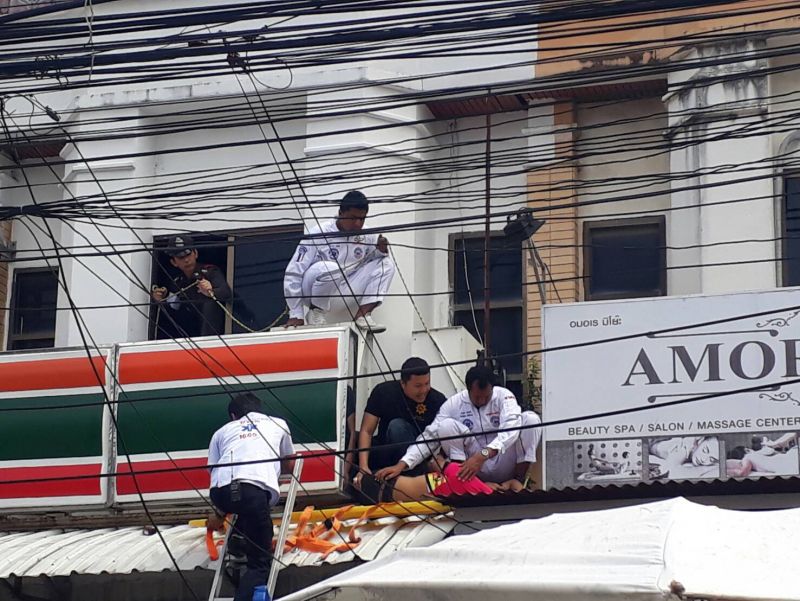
(520,227)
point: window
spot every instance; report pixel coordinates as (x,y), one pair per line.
(506,320)
(253,262)
(624,258)
(791,231)
(33,309)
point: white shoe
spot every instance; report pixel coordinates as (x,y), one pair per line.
(316,317)
(365,322)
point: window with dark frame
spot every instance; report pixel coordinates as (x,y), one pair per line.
(32,322)
(624,258)
(506,295)
(253,262)
(790,231)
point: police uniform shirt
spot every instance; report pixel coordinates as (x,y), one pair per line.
(255,437)
(200,315)
(191,293)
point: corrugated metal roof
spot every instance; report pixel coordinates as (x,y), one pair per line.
(380,538)
(126,550)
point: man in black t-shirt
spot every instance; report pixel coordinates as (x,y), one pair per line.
(400,411)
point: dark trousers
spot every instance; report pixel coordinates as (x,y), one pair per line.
(402,433)
(254,523)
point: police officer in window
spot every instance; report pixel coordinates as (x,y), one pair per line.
(196,297)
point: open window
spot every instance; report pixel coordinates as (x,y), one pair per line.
(507,322)
(790,231)
(253,262)
(32,323)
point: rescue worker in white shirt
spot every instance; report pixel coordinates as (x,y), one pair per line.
(472,416)
(249,490)
(337,251)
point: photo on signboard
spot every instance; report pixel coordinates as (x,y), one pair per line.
(761,454)
(683,458)
(607,460)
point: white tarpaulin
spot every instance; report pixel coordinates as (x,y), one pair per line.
(640,552)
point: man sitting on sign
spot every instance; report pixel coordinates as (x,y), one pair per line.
(400,411)
(336,260)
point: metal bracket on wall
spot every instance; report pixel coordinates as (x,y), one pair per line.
(7,251)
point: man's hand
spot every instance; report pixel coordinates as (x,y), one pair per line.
(383,245)
(388,473)
(159,293)
(471,467)
(205,288)
(293,322)
(359,476)
(214,521)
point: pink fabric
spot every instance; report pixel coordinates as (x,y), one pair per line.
(453,486)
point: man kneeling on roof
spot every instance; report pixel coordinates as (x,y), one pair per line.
(486,436)
(253,444)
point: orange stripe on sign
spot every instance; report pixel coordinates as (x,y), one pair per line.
(50,374)
(220,362)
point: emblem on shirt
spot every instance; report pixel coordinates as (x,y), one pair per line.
(468,423)
(358,252)
(358,238)
(496,421)
(421,409)
(248,427)
(334,253)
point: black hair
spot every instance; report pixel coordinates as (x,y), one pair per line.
(244,403)
(756,443)
(353,200)
(414,366)
(737,452)
(481,374)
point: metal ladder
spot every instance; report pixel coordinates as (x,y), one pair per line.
(286,518)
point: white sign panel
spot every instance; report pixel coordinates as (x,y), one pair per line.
(646,361)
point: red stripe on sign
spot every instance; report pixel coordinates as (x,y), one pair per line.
(196,364)
(49,374)
(170,481)
(53,488)
(316,469)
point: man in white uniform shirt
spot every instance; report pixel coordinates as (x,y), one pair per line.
(339,261)
(473,416)
(249,490)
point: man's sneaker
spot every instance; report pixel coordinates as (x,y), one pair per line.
(365,322)
(316,317)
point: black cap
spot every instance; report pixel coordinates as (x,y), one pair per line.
(180,245)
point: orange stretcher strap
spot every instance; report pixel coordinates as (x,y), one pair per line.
(213,544)
(317,539)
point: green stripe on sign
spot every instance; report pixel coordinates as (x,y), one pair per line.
(184,419)
(51,433)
